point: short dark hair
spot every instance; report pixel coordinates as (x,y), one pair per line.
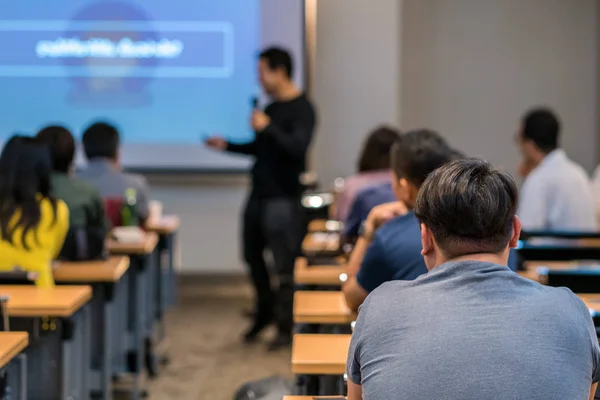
(469,207)
(101,140)
(61,144)
(417,154)
(276,58)
(542,126)
(375,154)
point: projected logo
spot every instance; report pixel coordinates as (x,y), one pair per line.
(110,51)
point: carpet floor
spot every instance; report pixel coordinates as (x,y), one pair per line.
(208,359)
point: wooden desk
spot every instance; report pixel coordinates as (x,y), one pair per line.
(146,246)
(320,354)
(324,225)
(559,249)
(11,344)
(59,301)
(533,265)
(315,307)
(592,301)
(321,242)
(324,275)
(309,397)
(110,270)
(165,225)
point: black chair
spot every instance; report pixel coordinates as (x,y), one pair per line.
(17,277)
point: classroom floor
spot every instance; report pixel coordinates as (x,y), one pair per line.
(208,360)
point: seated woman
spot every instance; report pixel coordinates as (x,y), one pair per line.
(33,224)
(86,206)
(373,168)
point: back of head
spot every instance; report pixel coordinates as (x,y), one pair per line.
(375,154)
(25,166)
(469,207)
(62,146)
(417,154)
(278,58)
(542,127)
(101,140)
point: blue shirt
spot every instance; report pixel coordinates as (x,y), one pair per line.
(363,203)
(473,330)
(557,196)
(394,254)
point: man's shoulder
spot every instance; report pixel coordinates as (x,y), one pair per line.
(398,291)
(82,186)
(135,180)
(399,228)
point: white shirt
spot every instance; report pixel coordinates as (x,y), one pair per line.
(557,196)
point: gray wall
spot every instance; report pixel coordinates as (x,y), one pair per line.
(466,67)
(472,67)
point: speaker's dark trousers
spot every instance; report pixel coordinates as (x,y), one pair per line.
(276,224)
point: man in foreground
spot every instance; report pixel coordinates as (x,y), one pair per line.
(471,328)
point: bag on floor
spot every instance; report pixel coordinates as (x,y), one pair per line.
(273,388)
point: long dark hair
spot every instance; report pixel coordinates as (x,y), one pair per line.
(375,154)
(25,167)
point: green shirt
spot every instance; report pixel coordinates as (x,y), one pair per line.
(86,207)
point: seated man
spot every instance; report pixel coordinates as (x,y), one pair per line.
(556,194)
(101,146)
(369,198)
(394,250)
(86,207)
(471,328)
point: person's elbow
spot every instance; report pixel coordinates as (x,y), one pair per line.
(354,391)
(354,294)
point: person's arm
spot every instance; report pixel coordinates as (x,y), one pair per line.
(61,227)
(353,293)
(373,271)
(294,142)
(593,391)
(248,149)
(358,213)
(355,391)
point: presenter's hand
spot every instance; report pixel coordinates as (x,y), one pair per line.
(383,213)
(259,121)
(216,142)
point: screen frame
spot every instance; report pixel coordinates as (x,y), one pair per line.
(166,170)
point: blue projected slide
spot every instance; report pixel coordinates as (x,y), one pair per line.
(165,72)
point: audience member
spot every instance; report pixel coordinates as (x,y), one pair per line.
(367,199)
(101,147)
(556,193)
(393,251)
(33,224)
(471,328)
(373,168)
(370,197)
(86,207)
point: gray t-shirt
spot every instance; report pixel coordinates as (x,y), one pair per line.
(111,182)
(473,331)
